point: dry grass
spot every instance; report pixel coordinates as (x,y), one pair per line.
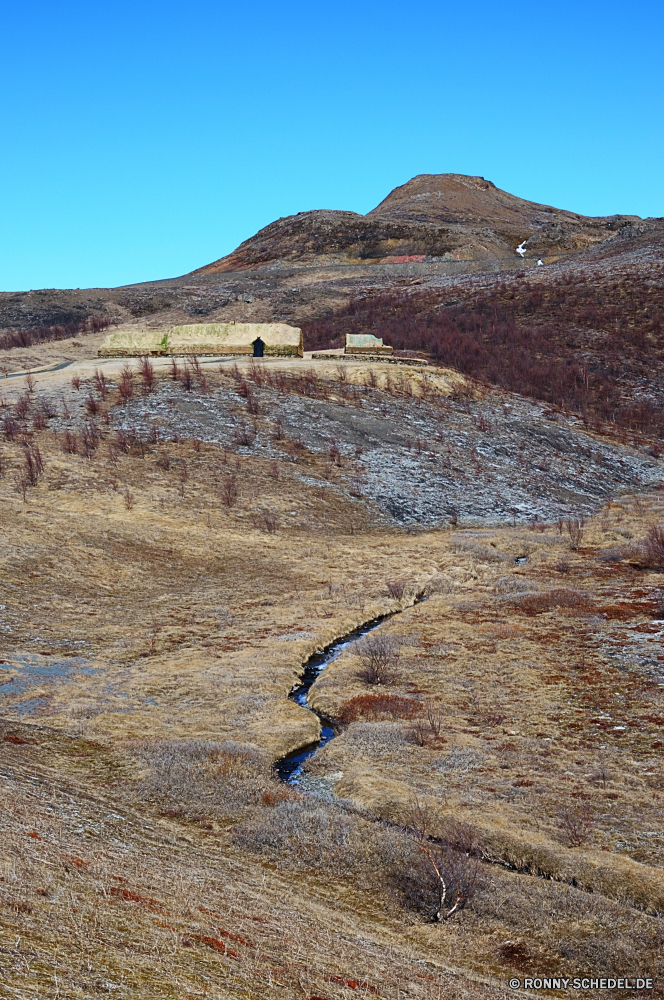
(148,648)
(549,703)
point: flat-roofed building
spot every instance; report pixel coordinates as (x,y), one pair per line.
(365,343)
(254,339)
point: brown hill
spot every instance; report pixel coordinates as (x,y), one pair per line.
(446,233)
(434,217)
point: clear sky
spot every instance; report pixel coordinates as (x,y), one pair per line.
(139,140)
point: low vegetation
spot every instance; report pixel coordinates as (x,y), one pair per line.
(491,801)
(580,343)
(31,336)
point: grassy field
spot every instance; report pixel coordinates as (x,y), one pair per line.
(158,599)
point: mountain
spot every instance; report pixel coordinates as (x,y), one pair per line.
(433,218)
(437,231)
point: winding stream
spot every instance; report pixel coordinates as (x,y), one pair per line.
(289,768)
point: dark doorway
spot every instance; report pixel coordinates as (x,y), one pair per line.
(258,347)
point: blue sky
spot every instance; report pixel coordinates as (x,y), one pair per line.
(141,140)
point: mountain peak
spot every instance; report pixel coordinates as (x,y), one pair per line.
(432,217)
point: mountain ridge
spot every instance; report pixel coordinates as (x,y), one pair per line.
(430,218)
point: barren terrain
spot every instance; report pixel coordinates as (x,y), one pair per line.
(178,540)
(181,536)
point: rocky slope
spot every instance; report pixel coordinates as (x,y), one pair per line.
(448,234)
(434,217)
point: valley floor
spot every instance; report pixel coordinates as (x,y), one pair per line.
(171,554)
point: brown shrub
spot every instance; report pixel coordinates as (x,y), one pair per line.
(33,463)
(396,589)
(653,548)
(186,378)
(126,384)
(577,824)
(148,376)
(426,731)
(91,405)
(442,874)
(574,526)
(379,706)
(602,775)
(69,442)
(22,406)
(229,491)
(535,604)
(10,428)
(90,438)
(244,434)
(252,404)
(379,656)
(123,442)
(436,879)
(204,778)
(461,836)
(100,383)
(294,448)
(266,520)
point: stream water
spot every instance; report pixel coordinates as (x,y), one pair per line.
(289,768)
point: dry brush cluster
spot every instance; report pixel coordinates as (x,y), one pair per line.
(566,343)
(427,869)
(29,336)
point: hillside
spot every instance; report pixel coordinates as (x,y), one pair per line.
(434,217)
(179,539)
(436,231)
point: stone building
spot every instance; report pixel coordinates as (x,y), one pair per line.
(254,339)
(365,343)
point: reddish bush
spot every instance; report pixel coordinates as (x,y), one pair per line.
(100,383)
(22,406)
(90,437)
(69,442)
(148,376)
(33,464)
(126,384)
(229,491)
(577,824)
(379,706)
(653,548)
(42,334)
(379,657)
(528,340)
(10,428)
(91,405)
(559,598)
(266,520)
(244,434)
